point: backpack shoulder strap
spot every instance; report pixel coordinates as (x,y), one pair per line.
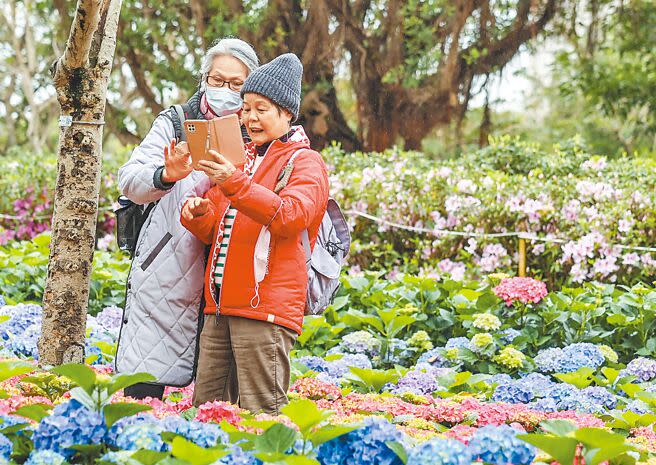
(179,114)
(286,173)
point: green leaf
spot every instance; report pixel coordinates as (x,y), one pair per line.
(305,414)
(329,432)
(34,412)
(630,389)
(559,448)
(125,380)
(149,457)
(373,380)
(11,368)
(114,412)
(558,427)
(399,450)
(277,439)
(610,374)
(581,378)
(195,455)
(189,414)
(80,374)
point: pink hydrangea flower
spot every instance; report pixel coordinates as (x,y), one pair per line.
(518,289)
(217,411)
(313,388)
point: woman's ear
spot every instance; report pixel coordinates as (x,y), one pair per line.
(289,115)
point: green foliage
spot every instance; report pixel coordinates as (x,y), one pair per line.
(563,439)
(23,270)
(446,309)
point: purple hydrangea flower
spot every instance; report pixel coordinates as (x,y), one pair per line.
(417,382)
(642,368)
(110,318)
(438,451)
(499,445)
(546,404)
(637,406)
(363,446)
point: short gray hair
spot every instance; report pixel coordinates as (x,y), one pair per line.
(228,46)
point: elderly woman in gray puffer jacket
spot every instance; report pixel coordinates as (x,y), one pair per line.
(165,284)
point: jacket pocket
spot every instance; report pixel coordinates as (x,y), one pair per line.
(155,252)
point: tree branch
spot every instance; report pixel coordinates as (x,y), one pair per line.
(142,83)
(76,54)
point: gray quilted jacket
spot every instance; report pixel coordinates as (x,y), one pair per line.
(165,284)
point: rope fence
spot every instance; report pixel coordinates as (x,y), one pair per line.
(522,237)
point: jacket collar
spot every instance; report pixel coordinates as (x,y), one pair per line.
(297,140)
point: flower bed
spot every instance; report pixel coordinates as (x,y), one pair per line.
(382,392)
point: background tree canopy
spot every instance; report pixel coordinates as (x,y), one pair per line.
(377,73)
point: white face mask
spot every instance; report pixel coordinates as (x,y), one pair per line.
(223,101)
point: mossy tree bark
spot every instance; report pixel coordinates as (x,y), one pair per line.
(80,77)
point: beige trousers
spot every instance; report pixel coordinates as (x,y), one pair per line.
(245,362)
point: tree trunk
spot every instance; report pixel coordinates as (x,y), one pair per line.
(80,77)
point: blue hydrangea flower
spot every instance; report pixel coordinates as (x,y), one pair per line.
(507,336)
(120,457)
(548,360)
(70,423)
(537,382)
(546,404)
(141,436)
(202,434)
(21,317)
(500,378)
(45,457)
(642,368)
(581,355)
(580,403)
(359,342)
(314,363)
(363,446)
(11,420)
(25,343)
(637,406)
(238,456)
(458,343)
(339,368)
(438,451)
(558,392)
(512,393)
(435,358)
(600,396)
(499,445)
(118,427)
(6,447)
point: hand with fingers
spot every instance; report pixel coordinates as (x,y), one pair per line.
(177,162)
(218,169)
(195,207)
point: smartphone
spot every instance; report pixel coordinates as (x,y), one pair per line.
(220,134)
(197,139)
(225,135)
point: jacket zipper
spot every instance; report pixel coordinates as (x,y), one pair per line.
(214,255)
(217,246)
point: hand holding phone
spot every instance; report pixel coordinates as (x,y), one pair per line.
(223,135)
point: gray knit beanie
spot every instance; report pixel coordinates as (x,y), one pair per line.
(280,81)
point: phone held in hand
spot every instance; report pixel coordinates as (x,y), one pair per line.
(220,134)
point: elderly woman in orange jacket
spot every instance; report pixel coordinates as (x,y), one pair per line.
(256,277)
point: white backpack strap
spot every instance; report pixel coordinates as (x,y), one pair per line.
(305,240)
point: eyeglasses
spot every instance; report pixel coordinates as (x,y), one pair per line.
(216,81)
